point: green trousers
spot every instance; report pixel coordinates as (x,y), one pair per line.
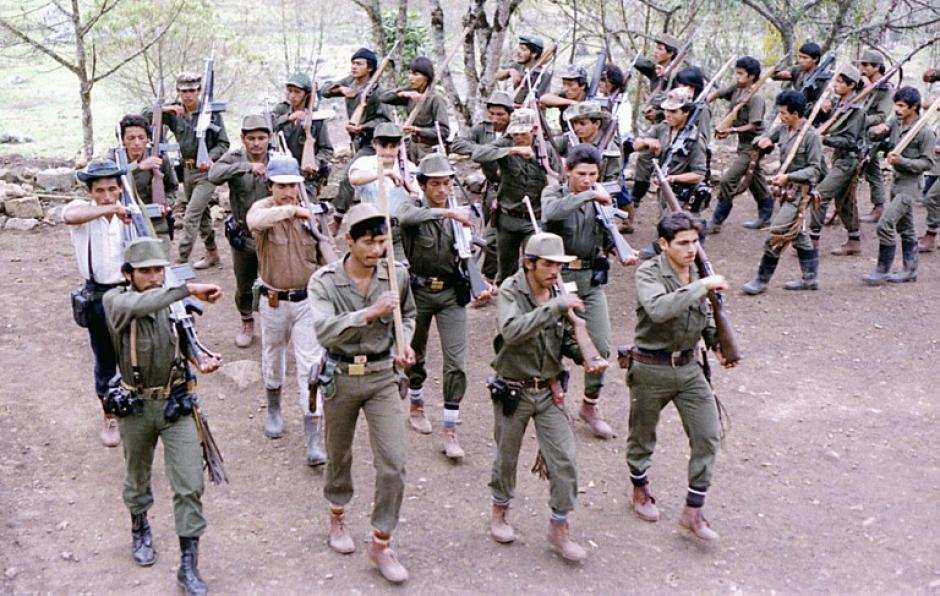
(834,186)
(781,223)
(932,201)
(875,178)
(898,217)
(597,318)
(376,394)
(652,387)
(182,457)
(733,174)
(452,328)
(245,263)
(196,220)
(556,441)
(345,193)
(511,235)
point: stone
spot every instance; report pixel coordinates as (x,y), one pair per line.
(3,221)
(243,373)
(217,213)
(25,208)
(17,224)
(54,214)
(13,138)
(56,179)
(12,191)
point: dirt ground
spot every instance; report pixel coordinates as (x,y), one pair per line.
(828,481)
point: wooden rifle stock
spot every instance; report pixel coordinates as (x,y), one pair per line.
(916,128)
(320,230)
(732,114)
(357,115)
(427,90)
(308,158)
(806,126)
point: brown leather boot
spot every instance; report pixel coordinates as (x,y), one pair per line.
(927,242)
(247,334)
(592,417)
(384,557)
(850,247)
(340,539)
(644,505)
(500,529)
(418,419)
(560,538)
(874,215)
(694,521)
(210,260)
(109,435)
(452,448)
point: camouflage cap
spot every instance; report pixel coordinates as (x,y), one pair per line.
(522,120)
(667,40)
(99,168)
(677,98)
(573,71)
(547,246)
(871,57)
(255,122)
(188,80)
(531,40)
(300,80)
(388,130)
(435,165)
(361,212)
(850,72)
(145,252)
(586,109)
(500,98)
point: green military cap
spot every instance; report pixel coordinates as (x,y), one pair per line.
(533,41)
(586,109)
(850,72)
(667,40)
(677,98)
(361,212)
(188,80)
(145,252)
(435,165)
(388,130)
(522,120)
(573,71)
(300,80)
(871,57)
(547,246)
(99,168)
(500,98)
(255,122)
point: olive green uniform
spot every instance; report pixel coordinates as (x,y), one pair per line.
(375,113)
(158,360)
(434,110)
(533,76)
(519,177)
(691,160)
(797,81)
(532,339)
(573,216)
(671,318)
(916,159)
(610,156)
(880,107)
(295,136)
(339,318)
(244,189)
(482,134)
(932,200)
(196,186)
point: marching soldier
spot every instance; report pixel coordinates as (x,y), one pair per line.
(845,138)
(95,226)
(913,161)
(533,337)
(362,66)
(352,314)
(672,316)
(747,125)
(245,171)
(527,71)
(289,119)
(433,109)
(928,242)
(521,175)
(796,77)
(154,402)
(880,106)
(182,117)
(288,255)
(441,293)
(587,126)
(794,187)
(499,108)
(570,211)
(574,88)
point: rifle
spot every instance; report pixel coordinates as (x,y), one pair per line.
(547,56)
(622,248)
(727,342)
(794,149)
(157,147)
(821,72)
(732,114)
(269,118)
(427,90)
(308,157)
(321,231)
(596,75)
(665,78)
(360,111)
(397,324)
(585,345)
(207,108)
(901,145)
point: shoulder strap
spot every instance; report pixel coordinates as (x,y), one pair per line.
(91,269)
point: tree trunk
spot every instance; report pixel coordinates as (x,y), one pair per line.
(85,80)
(401,31)
(439,41)
(88,131)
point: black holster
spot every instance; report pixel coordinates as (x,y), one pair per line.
(506,393)
(235,233)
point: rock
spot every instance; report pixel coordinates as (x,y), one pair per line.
(3,221)
(28,173)
(27,207)
(54,214)
(10,572)
(243,373)
(217,213)
(56,179)
(12,191)
(20,225)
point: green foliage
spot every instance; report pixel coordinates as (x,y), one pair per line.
(417,39)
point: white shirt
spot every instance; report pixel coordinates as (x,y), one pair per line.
(369,193)
(107,246)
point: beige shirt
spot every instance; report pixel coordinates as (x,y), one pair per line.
(287,253)
(106,239)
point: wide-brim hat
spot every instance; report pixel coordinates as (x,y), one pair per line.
(547,246)
(99,168)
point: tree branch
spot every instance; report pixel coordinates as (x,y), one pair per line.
(175,13)
(37,45)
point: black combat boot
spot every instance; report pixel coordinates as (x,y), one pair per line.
(758,285)
(909,273)
(142,540)
(188,575)
(765,210)
(885,258)
(809,266)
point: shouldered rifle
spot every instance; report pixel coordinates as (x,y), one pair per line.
(585,345)
(912,132)
(157,148)
(269,118)
(622,248)
(468,266)
(547,56)
(727,342)
(427,90)
(308,157)
(732,114)
(320,231)
(356,117)
(207,108)
(665,78)
(397,323)
(794,149)
(596,75)
(821,73)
